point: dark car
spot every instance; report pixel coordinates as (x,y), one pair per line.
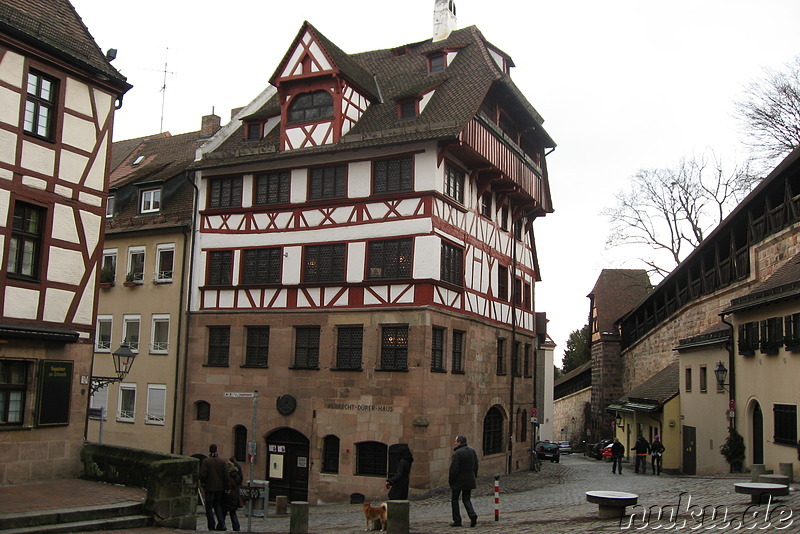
(547,450)
(597,450)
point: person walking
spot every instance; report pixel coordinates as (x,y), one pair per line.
(232,498)
(398,484)
(657,451)
(463,470)
(617,452)
(216,481)
(642,447)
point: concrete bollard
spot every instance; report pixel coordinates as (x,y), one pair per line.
(298,517)
(397,514)
(757,470)
(787,469)
(280,504)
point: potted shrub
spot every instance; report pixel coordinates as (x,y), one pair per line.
(733,450)
(130,280)
(107,276)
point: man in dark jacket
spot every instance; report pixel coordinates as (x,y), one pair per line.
(617,452)
(657,450)
(642,447)
(463,470)
(216,482)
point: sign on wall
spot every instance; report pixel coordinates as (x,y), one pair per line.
(53,397)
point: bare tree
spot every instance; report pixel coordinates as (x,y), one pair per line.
(671,210)
(770,111)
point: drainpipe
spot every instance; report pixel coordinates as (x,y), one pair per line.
(189,178)
(731,370)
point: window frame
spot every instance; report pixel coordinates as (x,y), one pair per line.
(372,459)
(438,335)
(349,352)
(163,276)
(224,192)
(502,283)
(257,350)
(437,63)
(124,415)
(34,104)
(394,347)
(157,346)
(454,179)
(306,347)
(315,271)
(687,379)
(331,445)
(274,186)
(127,321)
(138,275)
(14,393)
(324,186)
(379,260)
(451,267)
(383,182)
(112,254)
(314,112)
(457,352)
(151,416)
(500,355)
(150,200)
(99,345)
(266,261)
(219,346)
(785,424)
(486,205)
(21,263)
(493,431)
(223,275)
(110,201)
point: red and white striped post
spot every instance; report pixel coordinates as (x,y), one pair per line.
(497,497)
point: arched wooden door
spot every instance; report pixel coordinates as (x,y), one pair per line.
(758,434)
(287,464)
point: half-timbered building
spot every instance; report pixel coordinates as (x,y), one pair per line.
(365,261)
(58,93)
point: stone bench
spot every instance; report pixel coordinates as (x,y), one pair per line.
(757,490)
(774,479)
(611,504)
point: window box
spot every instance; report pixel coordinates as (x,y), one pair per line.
(106,285)
(130,280)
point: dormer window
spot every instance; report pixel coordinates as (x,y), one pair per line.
(150,201)
(138,160)
(253,131)
(310,107)
(407,110)
(437,63)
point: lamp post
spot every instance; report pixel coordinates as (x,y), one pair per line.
(721,373)
(123,361)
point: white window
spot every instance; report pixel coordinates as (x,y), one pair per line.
(108,272)
(135,264)
(159,334)
(110,206)
(126,410)
(102,340)
(151,201)
(99,404)
(130,331)
(156,404)
(165,254)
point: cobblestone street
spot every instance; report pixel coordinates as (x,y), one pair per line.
(554,501)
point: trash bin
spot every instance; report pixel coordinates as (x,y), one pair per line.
(258,495)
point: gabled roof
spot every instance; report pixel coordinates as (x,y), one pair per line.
(784,284)
(55,26)
(165,160)
(653,393)
(460,91)
(616,292)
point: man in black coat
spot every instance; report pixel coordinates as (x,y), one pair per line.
(216,482)
(398,484)
(642,447)
(463,470)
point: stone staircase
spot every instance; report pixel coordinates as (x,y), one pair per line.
(99,517)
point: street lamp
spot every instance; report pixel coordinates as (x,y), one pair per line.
(721,373)
(123,361)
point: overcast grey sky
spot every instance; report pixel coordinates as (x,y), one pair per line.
(622,85)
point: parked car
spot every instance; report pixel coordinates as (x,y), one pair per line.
(548,450)
(564,447)
(605,452)
(597,450)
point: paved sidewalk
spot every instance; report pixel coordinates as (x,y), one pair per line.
(550,502)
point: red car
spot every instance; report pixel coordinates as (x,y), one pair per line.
(606,452)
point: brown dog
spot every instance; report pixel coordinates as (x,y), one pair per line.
(371,513)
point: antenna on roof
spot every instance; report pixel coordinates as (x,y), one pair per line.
(164,90)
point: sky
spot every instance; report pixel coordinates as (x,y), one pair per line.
(622,86)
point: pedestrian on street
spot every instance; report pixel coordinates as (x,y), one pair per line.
(463,470)
(398,484)
(617,452)
(657,451)
(232,498)
(216,481)
(642,447)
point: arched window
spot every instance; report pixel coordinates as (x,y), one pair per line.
(371,458)
(310,107)
(240,443)
(493,431)
(203,410)
(330,454)
(523,433)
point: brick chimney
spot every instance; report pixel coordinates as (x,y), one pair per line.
(209,125)
(444,19)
